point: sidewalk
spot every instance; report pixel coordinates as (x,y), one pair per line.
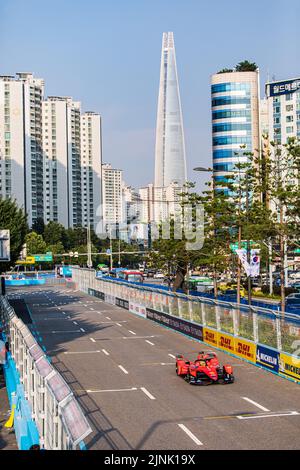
(7,436)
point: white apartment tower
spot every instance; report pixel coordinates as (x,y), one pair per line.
(170,161)
(21,157)
(112,196)
(62,175)
(91,170)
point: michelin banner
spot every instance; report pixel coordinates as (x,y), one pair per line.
(289,366)
(267,357)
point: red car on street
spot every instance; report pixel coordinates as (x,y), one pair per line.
(205,370)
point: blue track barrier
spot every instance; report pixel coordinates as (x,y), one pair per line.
(25,428)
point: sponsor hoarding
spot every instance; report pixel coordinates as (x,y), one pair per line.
(110,299)
(267,357)
(122,303)
(178,324)
(210,336)
(226,342)
(137,309)
(289,366)
(245,349)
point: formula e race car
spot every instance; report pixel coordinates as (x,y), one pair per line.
(205,370)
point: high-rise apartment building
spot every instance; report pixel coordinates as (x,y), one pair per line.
(21,156)
(91,170)
(170,161)
(62,176)
(235,119)
(112,196)
(283,100)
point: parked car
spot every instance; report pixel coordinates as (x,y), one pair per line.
(158,276)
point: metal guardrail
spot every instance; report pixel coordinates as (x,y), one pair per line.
(56,412)
(271,328)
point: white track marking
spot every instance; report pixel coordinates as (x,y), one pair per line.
(149,342)
(190,434)
(119,324)
(105,352)
(75,322)
(140,337)
(81,352)
(113,390)
(147,393)
(255,404)
(108,318)
(172,355)
(122,368)
(65,331)
(272,415)
(83,331)
(93,340)
(132,332)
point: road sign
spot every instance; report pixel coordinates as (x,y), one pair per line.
(4,245)
(235,246)
(44,258)
(27,260)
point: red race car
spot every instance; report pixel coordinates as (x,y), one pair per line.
(205,370)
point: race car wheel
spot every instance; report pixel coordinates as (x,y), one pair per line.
(177,370)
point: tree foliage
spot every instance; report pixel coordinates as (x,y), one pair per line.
(14,219)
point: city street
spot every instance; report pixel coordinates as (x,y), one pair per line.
(121,368)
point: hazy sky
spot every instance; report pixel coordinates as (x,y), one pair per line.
(106,54)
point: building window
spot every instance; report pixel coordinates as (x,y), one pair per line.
(289,118)
(289,129)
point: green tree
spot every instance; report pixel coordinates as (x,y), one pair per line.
(246,66)
(226,70)
(38,226)
(35,244)
(14,219)
(54,233)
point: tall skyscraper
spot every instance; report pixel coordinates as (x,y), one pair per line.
(235,119)
(21,156)
(170,161)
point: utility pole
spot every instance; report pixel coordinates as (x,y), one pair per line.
(248,241)
(89,250)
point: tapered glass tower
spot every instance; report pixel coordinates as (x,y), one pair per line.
(170,163)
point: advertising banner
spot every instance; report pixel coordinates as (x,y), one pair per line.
(96,293)
(188,328)
(245,349)
(210,336)
(137,309)
(110,299)
(267,357)
(289,366)
(226,342)
(122,303)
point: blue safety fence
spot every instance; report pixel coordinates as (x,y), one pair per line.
(26,431)
(24,282)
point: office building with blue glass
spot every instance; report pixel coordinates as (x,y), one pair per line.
(235,119)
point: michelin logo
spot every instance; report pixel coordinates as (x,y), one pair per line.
(266,359)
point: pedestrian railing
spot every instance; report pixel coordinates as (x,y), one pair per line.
(59,419)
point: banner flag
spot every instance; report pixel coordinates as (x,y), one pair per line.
(242,254)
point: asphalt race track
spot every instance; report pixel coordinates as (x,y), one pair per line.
(122,369)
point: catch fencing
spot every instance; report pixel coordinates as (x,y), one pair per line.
(59,419)
(261,336)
